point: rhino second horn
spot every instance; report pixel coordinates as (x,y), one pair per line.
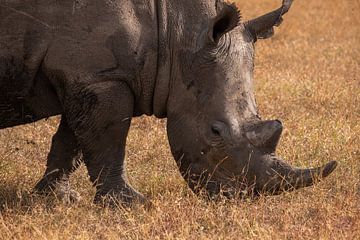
(266,134)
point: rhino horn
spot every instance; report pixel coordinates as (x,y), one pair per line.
(265,134)
(262,27)
(286,178)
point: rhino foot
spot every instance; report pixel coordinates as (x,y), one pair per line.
(121,197)
(61,190)
(67,195)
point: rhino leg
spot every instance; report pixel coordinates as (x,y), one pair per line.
(63,159)
(100,114)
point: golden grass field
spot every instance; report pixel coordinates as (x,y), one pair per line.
(308,76)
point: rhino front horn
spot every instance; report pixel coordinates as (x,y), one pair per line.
(265,134)
(286,178)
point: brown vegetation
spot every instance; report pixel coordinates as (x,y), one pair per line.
(308,76)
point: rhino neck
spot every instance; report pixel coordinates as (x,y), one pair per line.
(179,23)
(162,81)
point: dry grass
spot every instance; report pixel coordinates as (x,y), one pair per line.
(307,75)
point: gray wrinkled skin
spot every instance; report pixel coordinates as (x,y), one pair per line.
(100,63)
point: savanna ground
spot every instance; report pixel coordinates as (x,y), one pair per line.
(308,75)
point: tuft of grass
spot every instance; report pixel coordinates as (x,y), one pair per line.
(307,75)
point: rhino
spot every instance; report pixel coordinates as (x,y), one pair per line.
(100,63)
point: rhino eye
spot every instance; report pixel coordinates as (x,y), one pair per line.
(219,129)
(215,131)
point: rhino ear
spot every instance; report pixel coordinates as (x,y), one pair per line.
(228,18)
(263,27)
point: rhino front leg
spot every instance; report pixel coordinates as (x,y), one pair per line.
(100,114)
(63,159)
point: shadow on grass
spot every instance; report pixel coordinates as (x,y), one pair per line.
(13,198)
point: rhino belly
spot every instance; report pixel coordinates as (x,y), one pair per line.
(20,111)
(14,113)
(24,99)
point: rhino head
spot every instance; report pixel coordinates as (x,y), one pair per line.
(216,135)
